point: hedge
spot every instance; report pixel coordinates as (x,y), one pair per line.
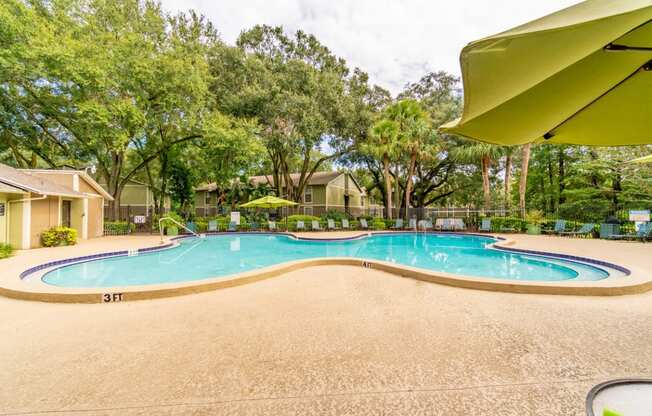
(118,228)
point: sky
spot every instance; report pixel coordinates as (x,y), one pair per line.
(394,41)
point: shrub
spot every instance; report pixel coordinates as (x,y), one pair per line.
(379,224)
(118,227)
(5,250)
(333,214)
(502,223)
(57,236)
(535,217)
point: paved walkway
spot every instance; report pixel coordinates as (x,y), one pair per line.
(327,340)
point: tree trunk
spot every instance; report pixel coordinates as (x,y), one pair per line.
(486,189)
(562,174)
(508,181)
(388,187)
(164,180)
(408,185)
(397,193)
(522,187)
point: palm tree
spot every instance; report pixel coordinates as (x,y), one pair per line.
(382,143)
(485,153)
(522,187)
(413,129)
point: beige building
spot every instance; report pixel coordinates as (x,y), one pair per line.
(325,191)
(34,200)
(137,198)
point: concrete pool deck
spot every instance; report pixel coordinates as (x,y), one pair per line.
(39,262)
(334,340)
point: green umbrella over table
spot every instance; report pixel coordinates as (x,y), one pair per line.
(269,202)
(582,75)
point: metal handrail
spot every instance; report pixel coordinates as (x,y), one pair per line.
(160,229)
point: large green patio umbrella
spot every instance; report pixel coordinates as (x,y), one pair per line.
(270,202)
(582,75)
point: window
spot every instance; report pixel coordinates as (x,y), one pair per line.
(307,195)
(208,198)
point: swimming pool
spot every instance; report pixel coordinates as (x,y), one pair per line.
(228,254)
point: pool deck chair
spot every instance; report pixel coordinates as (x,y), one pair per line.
(560,226)
(331,225)
(425,225)
(316,227)
(447,225)
(271,225)
(458,224)
(232,226)
(363,224)
(644,233)
(412,224)
(212,226)
(301,226)
(398,224)
(584,231)
(345,224)
(253,226)
(439,224)
(485,226)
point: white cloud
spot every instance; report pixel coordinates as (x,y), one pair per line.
(395,41)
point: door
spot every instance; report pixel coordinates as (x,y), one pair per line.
(65,213)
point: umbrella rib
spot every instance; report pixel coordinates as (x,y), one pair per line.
(617,47)
(549,135)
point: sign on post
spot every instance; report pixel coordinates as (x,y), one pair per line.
(640,215)
(235,217)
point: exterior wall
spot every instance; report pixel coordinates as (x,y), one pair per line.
(95,217)
(203,208)
(44,215)
(16,223)
(77,216)
(318,195)
(4,222)
(136,194)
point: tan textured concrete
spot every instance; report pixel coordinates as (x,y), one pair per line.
(325,340)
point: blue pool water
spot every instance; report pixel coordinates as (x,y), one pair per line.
(224,255)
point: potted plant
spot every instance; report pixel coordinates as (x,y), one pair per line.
(534,219)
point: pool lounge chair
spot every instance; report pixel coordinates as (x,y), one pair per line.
(331,225)
(439,224)
(232,226)
(363,224)
(458,224)
(485,226)
(345,224)
(560,226)
(271,225)
(584,231)
(425,225)
(253,226)
(301,226)
(447,225)
(316,226)
(212,226)
(398,224)
(644,232)
(412,223)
